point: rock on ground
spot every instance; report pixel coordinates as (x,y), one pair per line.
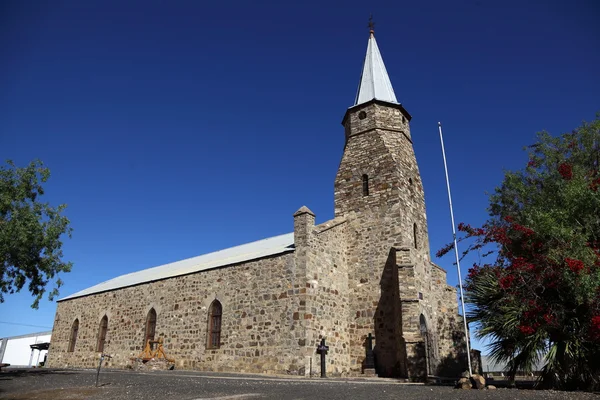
(478,382)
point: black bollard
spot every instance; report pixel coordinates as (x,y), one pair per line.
(102,356)
(322,349)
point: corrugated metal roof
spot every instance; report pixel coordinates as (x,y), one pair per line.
(374,81)
(233,255)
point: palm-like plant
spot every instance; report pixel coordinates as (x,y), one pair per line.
(539,300)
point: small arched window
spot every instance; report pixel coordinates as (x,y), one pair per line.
(150,326)
(214,325)
(73,338)
(102,334)
(365,184)
(415,236)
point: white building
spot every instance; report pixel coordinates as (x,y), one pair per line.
(24,350)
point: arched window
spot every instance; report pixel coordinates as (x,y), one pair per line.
(415,235)
(365,184)
(102,334)
(73,338)
(150,326)
(214,325)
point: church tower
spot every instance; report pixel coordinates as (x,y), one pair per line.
(379,171)
(395,290)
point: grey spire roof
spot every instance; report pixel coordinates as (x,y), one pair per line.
(374,80)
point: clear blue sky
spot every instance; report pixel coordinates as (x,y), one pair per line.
(173,129)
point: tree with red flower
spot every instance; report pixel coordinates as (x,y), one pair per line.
(539,299)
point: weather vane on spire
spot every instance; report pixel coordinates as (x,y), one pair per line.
(371,24)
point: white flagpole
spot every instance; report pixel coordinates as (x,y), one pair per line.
(462,302)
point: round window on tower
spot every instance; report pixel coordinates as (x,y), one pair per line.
(362,115)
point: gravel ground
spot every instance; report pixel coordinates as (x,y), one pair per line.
(165,385)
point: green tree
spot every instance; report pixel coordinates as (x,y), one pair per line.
(538,298)
(30,233)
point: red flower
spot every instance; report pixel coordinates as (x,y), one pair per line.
(526,231)
(595,327)
(444,250)
(526,330)
(521,263)
(575,265)
(473,272)
(566,171)
(498,234)
(506,281)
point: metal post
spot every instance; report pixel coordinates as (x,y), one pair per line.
(322,349)
(462,302)
(31,357)
(323,366)
(100,366)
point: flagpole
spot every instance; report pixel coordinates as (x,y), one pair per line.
(462,302)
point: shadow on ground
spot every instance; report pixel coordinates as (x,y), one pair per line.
(53,394)
(16,373)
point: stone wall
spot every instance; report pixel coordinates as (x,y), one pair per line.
(261,330)
(367,271)
(329,297)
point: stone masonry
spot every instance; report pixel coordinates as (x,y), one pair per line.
(367,271)
(395,288)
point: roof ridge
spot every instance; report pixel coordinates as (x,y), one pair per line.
(232,255)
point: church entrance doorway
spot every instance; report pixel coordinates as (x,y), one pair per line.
(426,344)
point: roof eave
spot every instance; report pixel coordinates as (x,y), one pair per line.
(376,101)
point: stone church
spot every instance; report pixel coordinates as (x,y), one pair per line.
(264,307)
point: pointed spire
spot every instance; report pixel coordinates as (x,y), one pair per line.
(374,80)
